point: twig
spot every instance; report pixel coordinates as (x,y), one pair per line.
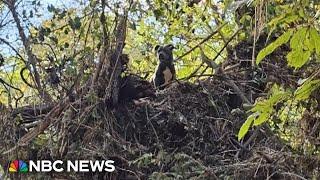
(294,175)
(254,38)
(105,41)
(251,138)
(227,43)
(44,124)
(238,91)
(31,57)
(193,73)
(16,51)
(154,130)
(203,41)
(217,55)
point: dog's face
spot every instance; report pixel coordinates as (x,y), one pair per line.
(164,53)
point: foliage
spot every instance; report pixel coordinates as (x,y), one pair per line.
(284,38)
(70,39)
(185,166)
(304,91)
(263,110)
(304,43)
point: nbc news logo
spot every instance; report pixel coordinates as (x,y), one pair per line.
(19,166)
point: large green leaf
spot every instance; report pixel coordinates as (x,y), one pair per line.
(301,47)
(304,91)
(298,38)
(278,95)
(315,39)
(263,117)
(298,57)
(264,109)
(284,38)
(246,125)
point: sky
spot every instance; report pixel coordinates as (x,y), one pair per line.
(10,33)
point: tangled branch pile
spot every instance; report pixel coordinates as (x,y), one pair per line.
(186,131)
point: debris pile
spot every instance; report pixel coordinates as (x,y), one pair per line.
(185,131)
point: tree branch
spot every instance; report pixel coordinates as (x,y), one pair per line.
(31,57)
(203,41)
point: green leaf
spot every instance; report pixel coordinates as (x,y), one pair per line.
(301,13)
(291,18)
(24,12)
(263,110)
(260,106)
(62,15)
(277,20)
(297,57)
(315,39)
(132,26)
(284,38)
(298,38)
(278,95)
(75,23)
(263,117)
(157,13)
(309,44)
(144,160)
(51,8)
(47,31)
(304,91)
(246,125)
(30,14)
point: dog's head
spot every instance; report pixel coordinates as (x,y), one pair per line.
(164,53)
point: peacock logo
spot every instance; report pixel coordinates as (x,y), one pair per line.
(18,166)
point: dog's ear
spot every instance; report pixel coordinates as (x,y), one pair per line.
(156,48)
(170,46)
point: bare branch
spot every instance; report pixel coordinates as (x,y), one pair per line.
(31,57)
(203,41)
